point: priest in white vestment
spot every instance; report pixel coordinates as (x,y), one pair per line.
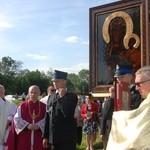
(7,110)
(131,129)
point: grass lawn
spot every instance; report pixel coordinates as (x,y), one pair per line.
(17,102)
(97,145)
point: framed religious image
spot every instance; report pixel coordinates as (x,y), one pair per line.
(118,33)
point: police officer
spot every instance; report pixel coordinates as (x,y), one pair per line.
(60,124)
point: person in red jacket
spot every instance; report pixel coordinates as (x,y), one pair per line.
(88,112)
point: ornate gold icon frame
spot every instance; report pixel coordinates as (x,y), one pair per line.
(129,20)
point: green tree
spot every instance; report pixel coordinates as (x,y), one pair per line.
(17,81)
(74,80)
(84,75)
(10,67)
(50,73)
(37,78)
(84,81)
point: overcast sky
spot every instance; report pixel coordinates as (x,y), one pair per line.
(46,34)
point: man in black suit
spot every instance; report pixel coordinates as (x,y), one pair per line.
(60,124)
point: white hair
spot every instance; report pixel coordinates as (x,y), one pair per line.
(145,71)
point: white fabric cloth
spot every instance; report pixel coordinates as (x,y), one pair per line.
(20,124)
(44,99)
(7,110)
(131,129)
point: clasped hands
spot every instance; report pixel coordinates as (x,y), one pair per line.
(33,126)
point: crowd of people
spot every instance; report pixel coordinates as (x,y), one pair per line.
(58,120)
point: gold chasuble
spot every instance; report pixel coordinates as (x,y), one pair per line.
(131,129)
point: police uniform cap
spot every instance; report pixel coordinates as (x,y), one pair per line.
(59,75)
(123,70)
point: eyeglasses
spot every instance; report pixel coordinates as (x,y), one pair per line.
(139,83)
